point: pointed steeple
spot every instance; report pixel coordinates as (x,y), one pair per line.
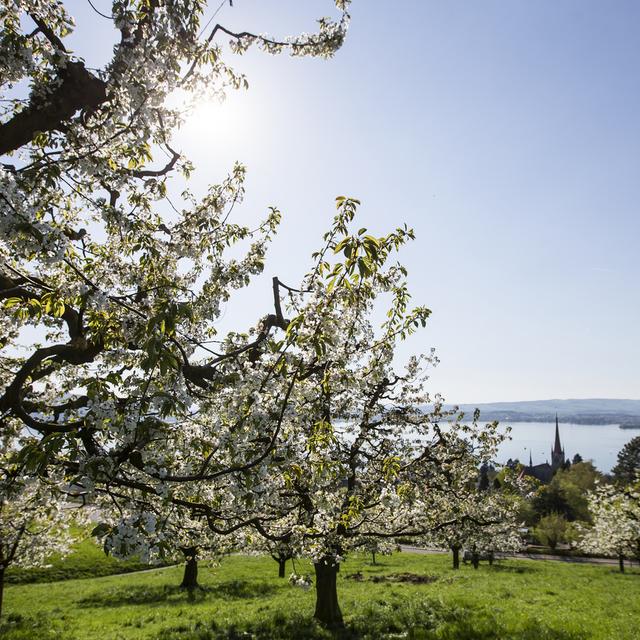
(530,459)
(557,447)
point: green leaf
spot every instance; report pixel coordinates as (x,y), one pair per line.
(101,530)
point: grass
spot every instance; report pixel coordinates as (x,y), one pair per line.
(410,596)
(86,560)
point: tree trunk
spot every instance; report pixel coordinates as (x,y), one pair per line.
(491,558)
(621,563)
(475,559)
(190,578)
(373,557)
(1,588)
(456,557)
(327,608)
(282,563)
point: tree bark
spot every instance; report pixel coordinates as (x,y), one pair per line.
(1,589)
(490,558)
(621,563)
(456,557)
(78,90)
(190,578)
(373,557)
(327,608)
(475,559)
(282,563)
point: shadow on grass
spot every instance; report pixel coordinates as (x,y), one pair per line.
(16,626)
(412,578)
(174,595)
(134,594)
(422,620)
(415,620)
(505,568)
(242,589)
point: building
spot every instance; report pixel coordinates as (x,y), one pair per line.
(544,472)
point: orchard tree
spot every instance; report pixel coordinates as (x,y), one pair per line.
(482,521)
(111,288)
(34,523)
(279,550)
(319,443)
(615,513)
(153,529)
(377,546)
(366,453)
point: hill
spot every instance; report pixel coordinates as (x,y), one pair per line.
(576,411)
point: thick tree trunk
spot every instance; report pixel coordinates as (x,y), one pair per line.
(456,557)
(327,608)
(475,559)
(1,589)
(621,563)
(491,558)
(190,578)
(282,563)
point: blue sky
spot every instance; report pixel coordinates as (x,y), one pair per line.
(506,133)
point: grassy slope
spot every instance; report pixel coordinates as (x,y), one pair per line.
(86,560)
(521,599)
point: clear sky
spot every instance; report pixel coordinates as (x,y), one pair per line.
(506,133)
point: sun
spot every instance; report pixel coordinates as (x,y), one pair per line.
(221,121)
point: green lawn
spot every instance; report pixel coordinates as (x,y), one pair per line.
(523,599)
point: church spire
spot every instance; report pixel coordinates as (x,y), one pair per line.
(557,447)
(530,459)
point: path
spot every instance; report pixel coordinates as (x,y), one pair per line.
(530,556)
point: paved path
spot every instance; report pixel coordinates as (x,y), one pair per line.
(530,556)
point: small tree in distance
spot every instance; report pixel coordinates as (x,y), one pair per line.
(552,529)
(482,520)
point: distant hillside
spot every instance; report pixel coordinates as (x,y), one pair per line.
(588,411)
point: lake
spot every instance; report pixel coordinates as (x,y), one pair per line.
(597,442)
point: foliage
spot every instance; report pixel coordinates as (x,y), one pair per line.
(627,469)
(574,484)
(552,529)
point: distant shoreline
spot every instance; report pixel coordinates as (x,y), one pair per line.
(588,411)
(622,421)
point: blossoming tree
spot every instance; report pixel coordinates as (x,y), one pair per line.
(317,443)
(111,287)
(482,522)
(616,523)
(34,523)
(361,457)
(126,385)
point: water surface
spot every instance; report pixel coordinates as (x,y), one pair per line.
(597,442)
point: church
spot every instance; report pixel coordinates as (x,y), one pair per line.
(544,472)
